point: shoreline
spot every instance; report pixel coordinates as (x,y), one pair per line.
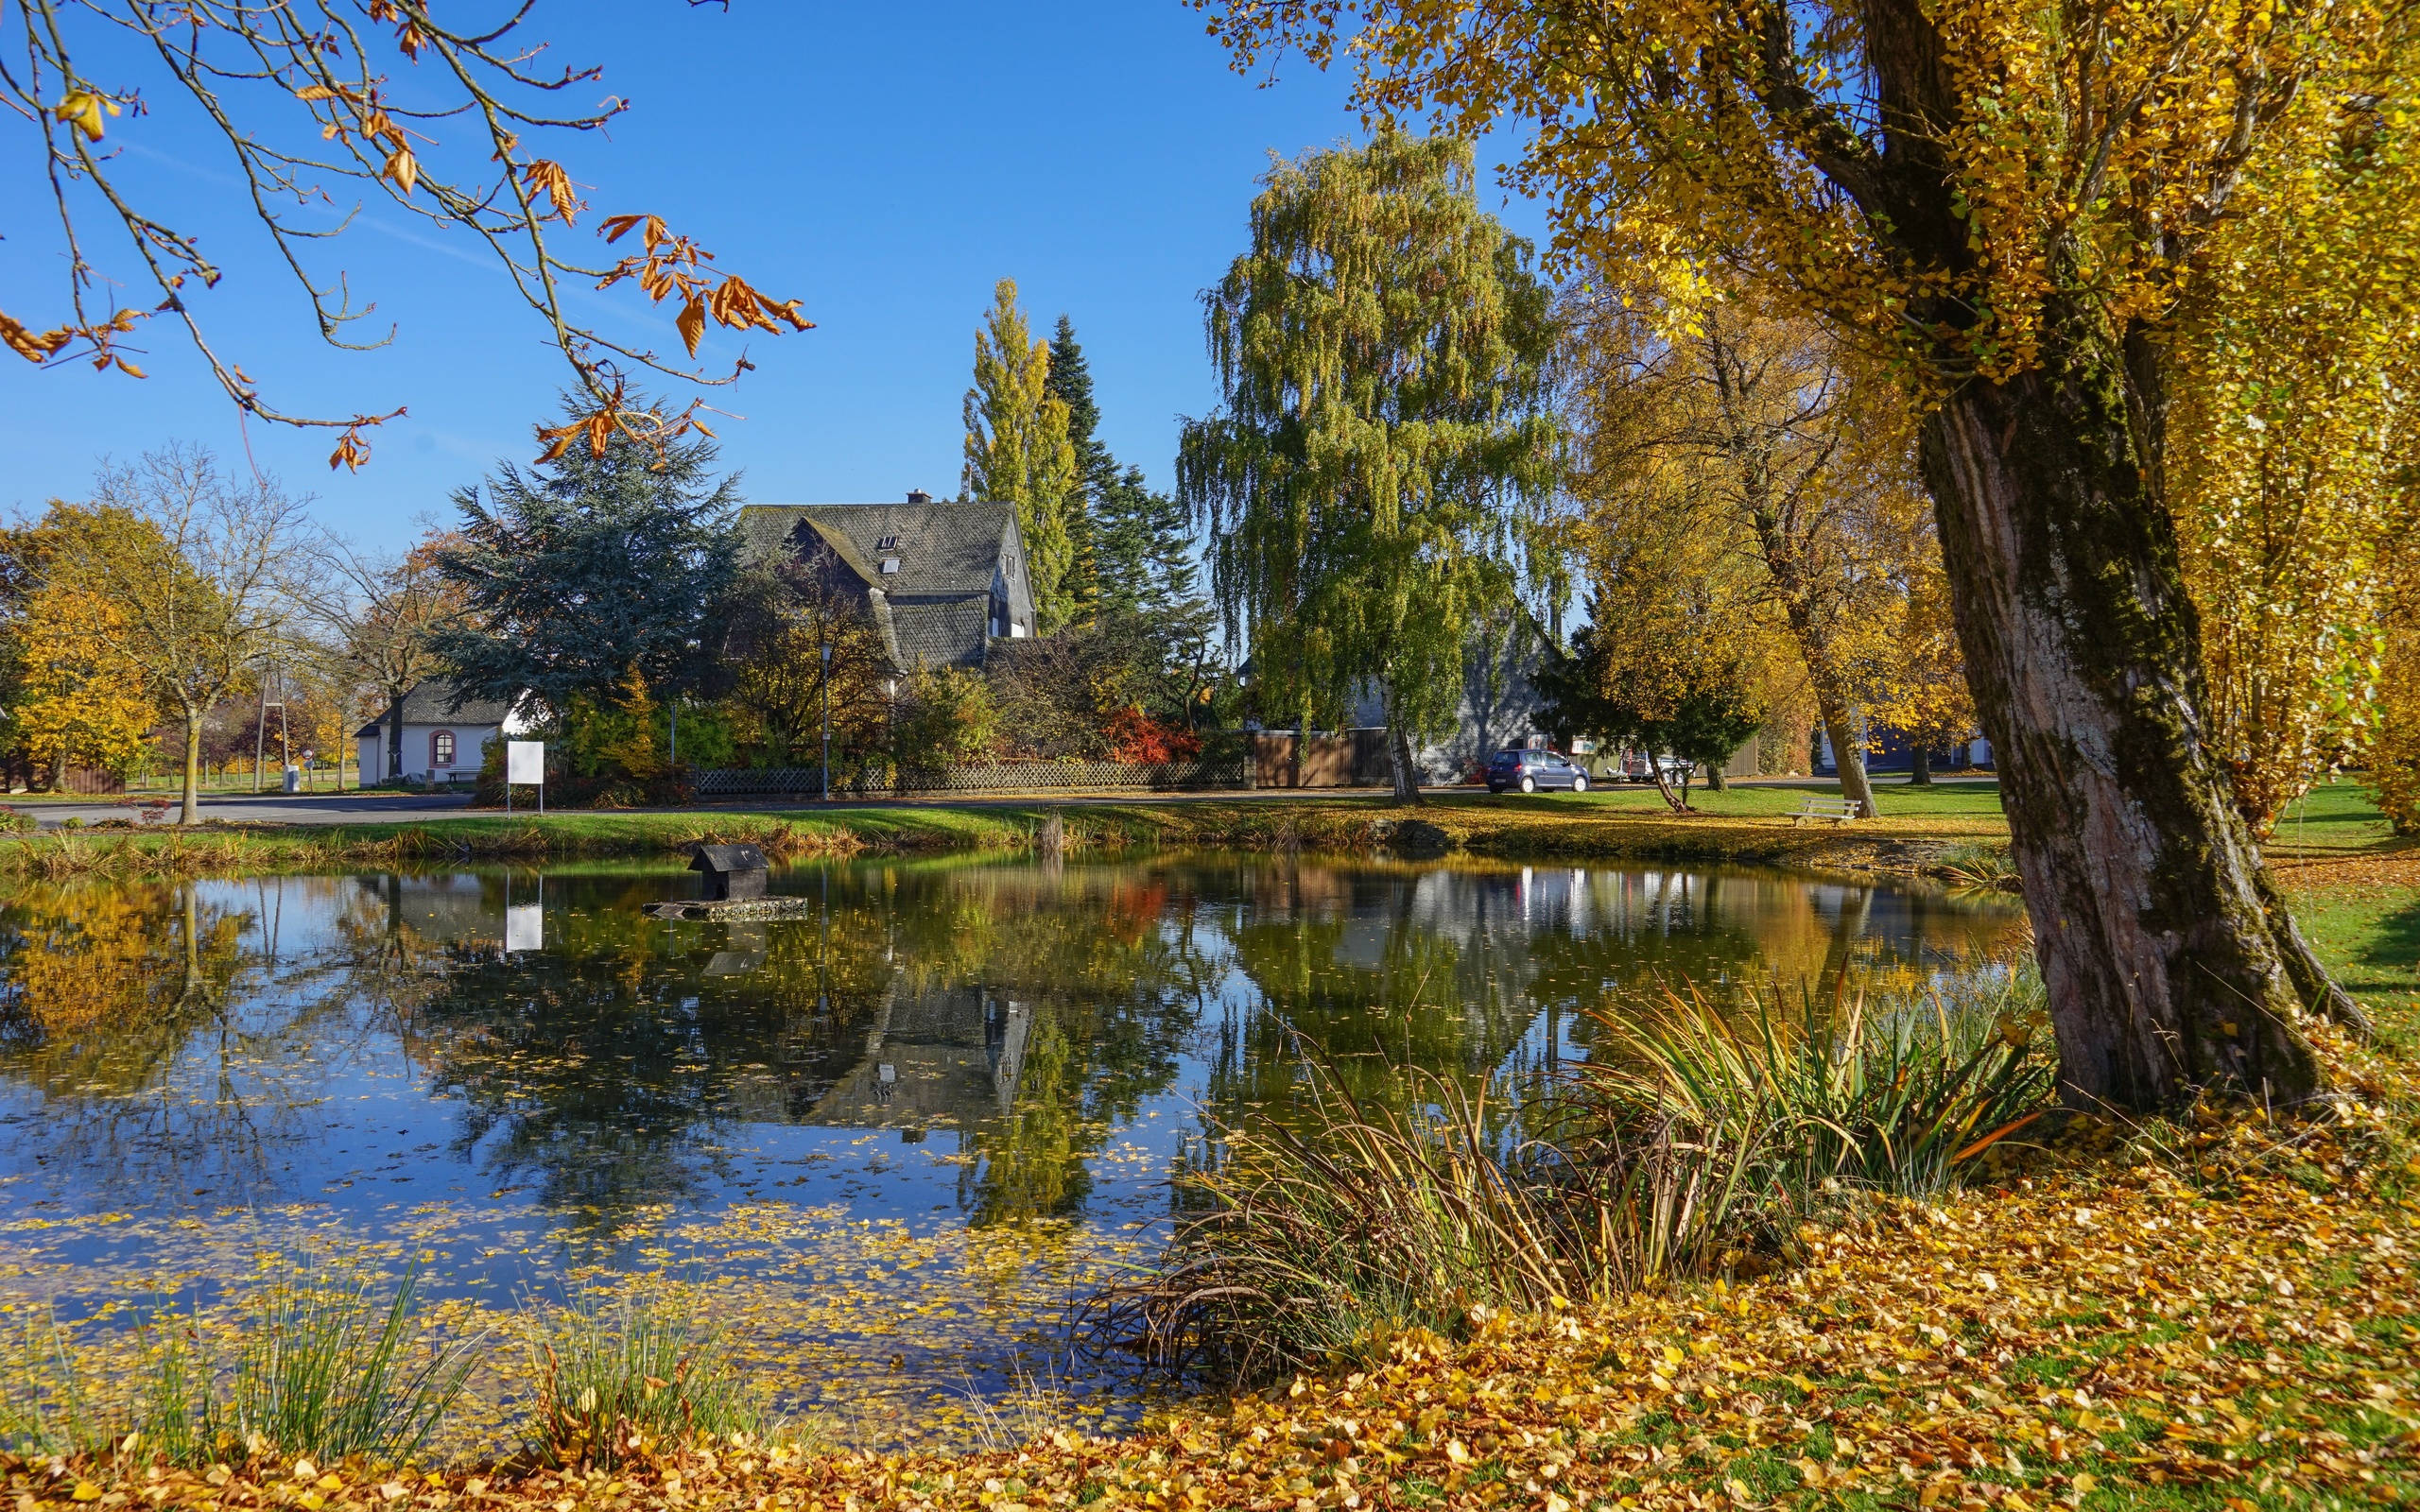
(1489,829)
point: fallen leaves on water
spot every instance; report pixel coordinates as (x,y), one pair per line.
(2222,1317)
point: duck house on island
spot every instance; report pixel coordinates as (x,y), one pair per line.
(734,888)
(733,872)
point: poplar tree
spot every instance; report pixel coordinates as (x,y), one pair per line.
(1384,444)
(1018,452)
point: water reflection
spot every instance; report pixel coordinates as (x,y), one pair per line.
(531,1066)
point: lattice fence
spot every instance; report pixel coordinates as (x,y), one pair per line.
(1008,777)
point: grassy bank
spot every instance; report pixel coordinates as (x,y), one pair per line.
(1745,826)
(2334,847)
(2214,1314)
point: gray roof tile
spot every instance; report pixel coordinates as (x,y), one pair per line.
(426,705)
(943,550)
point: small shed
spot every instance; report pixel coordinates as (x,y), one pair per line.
(731,871)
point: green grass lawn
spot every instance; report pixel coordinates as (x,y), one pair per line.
(1962,798)
(2336,818)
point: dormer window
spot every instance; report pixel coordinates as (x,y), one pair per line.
(890,543)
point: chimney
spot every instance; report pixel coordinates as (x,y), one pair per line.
(918,496)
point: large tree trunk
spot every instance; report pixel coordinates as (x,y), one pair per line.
(191,812)
(1919,765)
(1399,758)
(1848,745)
(2165,973)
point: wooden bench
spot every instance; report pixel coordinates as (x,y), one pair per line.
(1838,810)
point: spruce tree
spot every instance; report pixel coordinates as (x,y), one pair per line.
(1071,382)
(1135,546)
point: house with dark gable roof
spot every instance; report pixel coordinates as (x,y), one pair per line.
(941,580)
(441,742)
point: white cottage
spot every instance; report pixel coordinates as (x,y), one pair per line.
(440,744)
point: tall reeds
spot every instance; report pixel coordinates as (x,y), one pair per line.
(1694,1144)
(323,1366)
(1380,1220)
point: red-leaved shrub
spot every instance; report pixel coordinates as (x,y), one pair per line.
(1136,736)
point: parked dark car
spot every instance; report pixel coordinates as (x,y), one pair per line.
(1531,770)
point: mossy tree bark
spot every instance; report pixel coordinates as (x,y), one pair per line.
(2166,974)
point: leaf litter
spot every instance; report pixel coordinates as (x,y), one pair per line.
(2214,1313)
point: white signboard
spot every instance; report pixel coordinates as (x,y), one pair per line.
(525,927)
(525,761)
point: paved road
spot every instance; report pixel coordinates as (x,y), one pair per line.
(246,808)
(356,808)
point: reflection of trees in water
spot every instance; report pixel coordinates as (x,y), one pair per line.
(610,1066)
(1030,1008)
(1478,971)
(1117,965)
(162,1024)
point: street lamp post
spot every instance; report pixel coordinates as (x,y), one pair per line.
(827,721)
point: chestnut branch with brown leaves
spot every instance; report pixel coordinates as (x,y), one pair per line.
(301,92)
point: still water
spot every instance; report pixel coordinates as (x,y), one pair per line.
(890,1140)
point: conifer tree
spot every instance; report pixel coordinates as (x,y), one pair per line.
(1133,547)
(1071,382)
(1018,452)
(584,572)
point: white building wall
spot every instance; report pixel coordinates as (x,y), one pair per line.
(470,745)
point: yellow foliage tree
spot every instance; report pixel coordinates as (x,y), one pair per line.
(2394,753)
(1018,451)
(195,566)
(1789,470)
(1925,696)
(75,701)
(2297,351)
(2004,201)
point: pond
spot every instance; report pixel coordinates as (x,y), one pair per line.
(890,1140)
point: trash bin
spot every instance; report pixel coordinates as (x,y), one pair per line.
(293,778)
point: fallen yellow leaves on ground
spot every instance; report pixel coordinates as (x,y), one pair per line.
(2219,1313)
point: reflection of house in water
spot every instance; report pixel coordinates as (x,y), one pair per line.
(945,1057)
(445,908)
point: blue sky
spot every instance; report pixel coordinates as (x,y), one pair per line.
(883,164)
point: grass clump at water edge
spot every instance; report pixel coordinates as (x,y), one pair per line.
(1699,1152)
(619,1377)
(321,1365)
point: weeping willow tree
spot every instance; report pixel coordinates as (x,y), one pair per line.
(1376,477)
